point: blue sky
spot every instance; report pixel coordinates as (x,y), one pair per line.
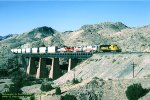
(18,17)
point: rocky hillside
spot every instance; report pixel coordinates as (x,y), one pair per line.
(99,89)
(129,39)
(5,37)
(1,38)
(34,38)
(110,66)
(104,77)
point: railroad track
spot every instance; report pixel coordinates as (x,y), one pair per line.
(123,53)
(76,54)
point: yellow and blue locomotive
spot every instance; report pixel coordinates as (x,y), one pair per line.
(109,48)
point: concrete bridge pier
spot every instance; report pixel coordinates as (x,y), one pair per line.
(31,69)
(55,71)
(72,64)
(42,71)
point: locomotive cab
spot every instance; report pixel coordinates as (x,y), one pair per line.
(114,47)
(110,48)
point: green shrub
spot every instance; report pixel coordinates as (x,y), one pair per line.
(114,60)
(32,97)
(135,91)
(24,79)
(75,81)
(14,89)
(0,96)
(2,82)
(46,87)
(68,97)
(58,91)
(49,79)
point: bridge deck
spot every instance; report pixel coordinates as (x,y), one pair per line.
(79,55)
(61,55)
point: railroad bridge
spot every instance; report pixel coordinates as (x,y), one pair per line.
(37,62)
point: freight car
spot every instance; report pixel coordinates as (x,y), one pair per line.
(94,48)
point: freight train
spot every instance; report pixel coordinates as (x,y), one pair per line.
(55,49)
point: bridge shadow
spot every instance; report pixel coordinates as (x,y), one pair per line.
(64,67)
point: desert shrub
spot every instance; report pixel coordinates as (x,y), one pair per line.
(2,82)
(58,91)
(148,75)
(46,87)
(12,63)
(0,96)
(68,97)
(24,79)
(39,81)
(114,60)
(3,72)
(14,89)
(135,91)
(80,80)
(49,79)
(75,81)
(17,79)
(32,97)
(21,78)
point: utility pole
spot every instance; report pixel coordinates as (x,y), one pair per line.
(133,65)
(74,73)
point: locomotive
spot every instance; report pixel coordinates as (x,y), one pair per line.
(109,48)
(55,49)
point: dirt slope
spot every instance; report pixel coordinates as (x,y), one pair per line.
(111,66)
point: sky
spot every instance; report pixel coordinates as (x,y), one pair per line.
(17,17)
